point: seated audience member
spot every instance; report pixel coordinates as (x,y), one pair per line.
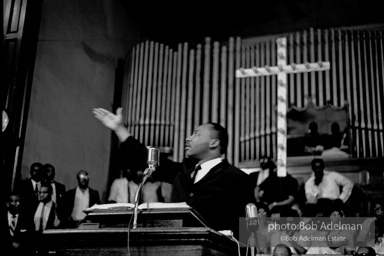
(365,251)
(28,188)
(134,178)
(378,227)
(346,245)
(152,190)
(366,235)
(203,179)
(58,189)
(264,172)
(263,236)
(335,142)
(282,250)
(20,228)
(122,188)
(45,216)
(278,192)
(119,191)
(78,199)
(277,237)
(314,141)
(323,187)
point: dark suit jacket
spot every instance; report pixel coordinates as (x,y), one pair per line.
(22,235)
(69,201)
(60,193)
(51,217)
(28,198)
(220,197)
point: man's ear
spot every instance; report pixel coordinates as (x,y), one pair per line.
(214,143)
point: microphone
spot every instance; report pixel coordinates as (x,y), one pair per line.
(252,225)
(153,160)
(251,217)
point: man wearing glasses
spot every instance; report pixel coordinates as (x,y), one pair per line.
(367,235)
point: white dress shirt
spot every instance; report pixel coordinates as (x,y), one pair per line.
(206,167)
(45,212)
(329,187)
(119,191)
(81,203)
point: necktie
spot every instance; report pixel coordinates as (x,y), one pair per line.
(36,188)
(12,226)
(195,171)
(41,226)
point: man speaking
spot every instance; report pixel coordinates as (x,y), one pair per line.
(217,190)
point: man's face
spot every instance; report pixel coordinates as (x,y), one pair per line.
(14,204)
(362,251)
(43,194)
(280,251)
(264,163)
(378,210)
(198,144)
(50,173)
(335,216)
(83,180)
(318,169)
(35,173)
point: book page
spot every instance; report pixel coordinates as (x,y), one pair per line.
(112,206)
(158,205)
(130,206)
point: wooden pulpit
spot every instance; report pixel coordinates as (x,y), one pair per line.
(164,231)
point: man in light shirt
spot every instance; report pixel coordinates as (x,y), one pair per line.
(58,189)
(324,186)
(78,199)
(45,216)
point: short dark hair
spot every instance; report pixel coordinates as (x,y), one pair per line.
(49,166)
(80,172)
(47,185)
(371,251)
(284,246)
(318,161)
(35,166)
(222,135)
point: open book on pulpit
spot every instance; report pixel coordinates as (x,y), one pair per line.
(153,214)
(130,206)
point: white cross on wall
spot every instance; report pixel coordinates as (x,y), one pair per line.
(281,70)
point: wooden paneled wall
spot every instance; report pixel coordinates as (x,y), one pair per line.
(168,92)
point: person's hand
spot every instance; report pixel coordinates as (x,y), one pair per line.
(110,120)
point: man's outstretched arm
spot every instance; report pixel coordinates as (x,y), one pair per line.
(113,122)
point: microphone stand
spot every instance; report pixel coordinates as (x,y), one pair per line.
(147,173)
(252,226)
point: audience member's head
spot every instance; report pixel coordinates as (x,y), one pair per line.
(335,128)
(267,162)
(378,209)
(365,251)
(336,215)
(49,172)
(36,171)
(83,179)
(13,204)
(282,250)
(318,166)
(45,192)
(313,128)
